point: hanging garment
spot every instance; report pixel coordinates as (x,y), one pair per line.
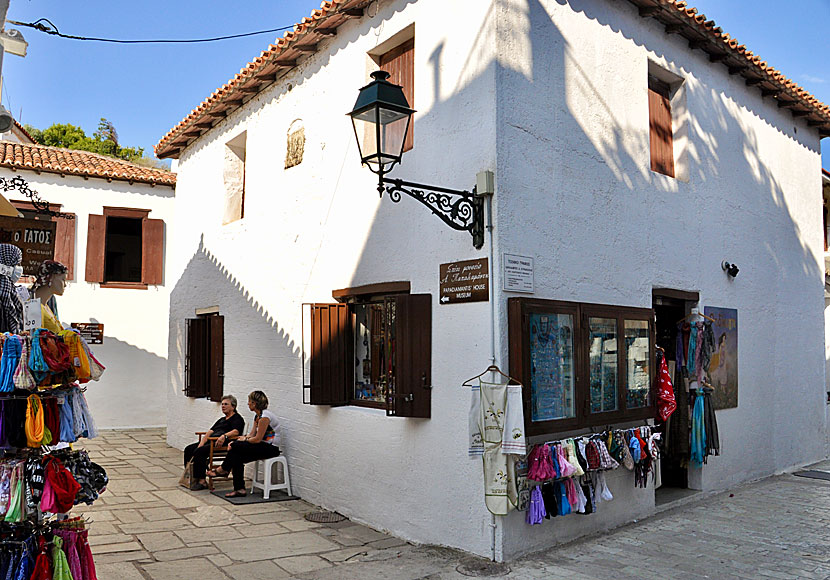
(37,365)
(710,424)
(690,357)
(43,568)
(67,425)
(47,500)
(85,553)
(570,455)
(8,362)
(11,309)
(540,466)
(497,433)
(698,452)
(565,466)
(34,422)
(15,511)
(22,376)
(89,421)
(536,513)
(70,546)
(63,484)
(707,349)
(59,562)
(698,344)
(666,403)
(550,499)
(24,564)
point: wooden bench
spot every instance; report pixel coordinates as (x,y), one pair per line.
(216,455)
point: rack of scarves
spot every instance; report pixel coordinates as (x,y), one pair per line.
(43,358)
(695,347)
(47,551)
(48,417)
(51,483)
(568,476)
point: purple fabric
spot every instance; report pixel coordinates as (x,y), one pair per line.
(70,546)
(536,513)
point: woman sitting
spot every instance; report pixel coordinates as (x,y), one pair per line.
(261,443)
(230,425)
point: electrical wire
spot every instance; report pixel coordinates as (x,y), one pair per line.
(46,26)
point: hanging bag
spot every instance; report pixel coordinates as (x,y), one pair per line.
(22,376)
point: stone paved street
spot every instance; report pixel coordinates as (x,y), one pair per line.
(146,527)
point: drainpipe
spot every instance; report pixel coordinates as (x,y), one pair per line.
(485,185)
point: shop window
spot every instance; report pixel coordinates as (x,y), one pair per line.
(400,64)
(582,364)
(205,357)
(660,127)
(371,350)
(125,249)
(234,179)
(64,232)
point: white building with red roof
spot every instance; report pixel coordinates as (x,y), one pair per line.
(115,249)
(646,164)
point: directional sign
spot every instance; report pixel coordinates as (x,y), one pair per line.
(92,332)
(467,281)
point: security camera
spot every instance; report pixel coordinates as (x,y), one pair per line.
(730,269)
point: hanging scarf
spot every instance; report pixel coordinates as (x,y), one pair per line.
(15,511)
(43,568)
(690,360)
(22,376)
(698,433)
(666,403)
(537,512)
(84,551)
(34,422)
(59,561)
(67,426)
(63,484)
(710,424)
(8,362)
(38,366)
(77,354)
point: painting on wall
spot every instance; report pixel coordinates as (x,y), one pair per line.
(723,368)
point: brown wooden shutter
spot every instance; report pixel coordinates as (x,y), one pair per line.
(400,64)
(332,358)
(152,251)
(196,357)
(65,243)
(216,353)
(95,248)
(660,129)
(412,393)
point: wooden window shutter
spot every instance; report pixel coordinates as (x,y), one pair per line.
(332,348)
(195,367)
(660,128)
(95,248)
(412,393)
(400,64)
(152,251)
(65,243)
(216,351)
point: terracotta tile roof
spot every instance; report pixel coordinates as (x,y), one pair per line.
(678,18)
(22,156)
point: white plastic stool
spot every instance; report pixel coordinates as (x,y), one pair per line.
(266,484)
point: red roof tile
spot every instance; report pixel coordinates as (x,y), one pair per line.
(18,156)
(675,14)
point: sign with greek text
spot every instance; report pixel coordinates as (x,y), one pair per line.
(35,238)
(92,332)
(518,273)
(467,281)
(32,314)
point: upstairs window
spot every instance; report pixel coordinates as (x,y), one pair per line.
(371,350)
(234,179)
(661,142)
(125,249)
(582,365)
(400,64)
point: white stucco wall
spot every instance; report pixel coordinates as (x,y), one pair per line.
(554,100)
(613,230)
(131,391)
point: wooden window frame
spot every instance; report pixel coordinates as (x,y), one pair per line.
(399,62)
(205,357)
(519,310)
(661,134)
(331,350)
(152,248)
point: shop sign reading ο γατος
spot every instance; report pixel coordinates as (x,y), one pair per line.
(467,281)
(35,238)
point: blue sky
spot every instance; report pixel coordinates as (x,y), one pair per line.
(147,89)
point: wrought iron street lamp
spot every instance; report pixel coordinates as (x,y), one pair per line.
(381,118)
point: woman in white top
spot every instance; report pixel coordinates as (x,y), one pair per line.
(261,443)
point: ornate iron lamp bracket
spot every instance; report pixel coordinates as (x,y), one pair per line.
(461,210)
(40,206)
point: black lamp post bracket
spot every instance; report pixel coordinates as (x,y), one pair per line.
(461,210)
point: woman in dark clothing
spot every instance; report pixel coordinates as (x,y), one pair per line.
(230,425)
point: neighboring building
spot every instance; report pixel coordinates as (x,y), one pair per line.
(635,147)
(115,250)
(17,134)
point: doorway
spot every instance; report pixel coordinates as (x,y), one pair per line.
(670,308)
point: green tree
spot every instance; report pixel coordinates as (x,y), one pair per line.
(104,140)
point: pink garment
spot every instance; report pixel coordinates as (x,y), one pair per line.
(570,492)
(540,465)
(87,564)
(566,469)
(47,500)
